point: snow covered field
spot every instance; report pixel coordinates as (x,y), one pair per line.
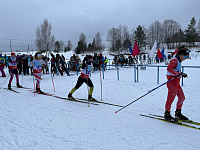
(47,123)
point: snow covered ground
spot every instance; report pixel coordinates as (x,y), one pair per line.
(47,123)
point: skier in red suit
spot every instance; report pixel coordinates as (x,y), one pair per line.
(174,88)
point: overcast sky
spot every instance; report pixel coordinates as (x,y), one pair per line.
(69,18)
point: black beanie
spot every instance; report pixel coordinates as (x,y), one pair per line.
(89,57)
(182,50)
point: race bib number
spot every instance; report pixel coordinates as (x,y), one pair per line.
(37,65)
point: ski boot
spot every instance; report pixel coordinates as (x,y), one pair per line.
(168,117)
(179,115)
(70,96)
(9,86)
(39,91)
(19,86)
(90,98)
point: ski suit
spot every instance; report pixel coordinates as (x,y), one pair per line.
(37,70)
(174,88)
(13,69)
(84,77)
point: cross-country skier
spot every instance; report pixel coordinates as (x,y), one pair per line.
(174,88)
(37,69)
(84,77)
(13,70)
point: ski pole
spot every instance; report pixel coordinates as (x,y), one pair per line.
(88,87)
(146,94)
(6,78)
(88,94)
(22,78)
(101,85)
(34,85)
(53,82)
(4,82)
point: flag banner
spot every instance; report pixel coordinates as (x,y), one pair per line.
(159,54)
(166,53)
(135,49)
(163,52)
(130,49)
(153,50)
(176,51)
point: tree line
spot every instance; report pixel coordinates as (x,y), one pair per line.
(169,33)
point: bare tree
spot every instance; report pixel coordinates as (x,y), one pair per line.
(125,37)
(44,40)
(98,42)
(82,38)
(155,33)
(132,35)
(170,28)
(125,33)
(112,37)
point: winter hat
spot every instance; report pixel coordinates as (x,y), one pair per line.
(12,53)
(182,50)
(89,56)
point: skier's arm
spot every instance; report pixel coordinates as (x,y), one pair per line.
(84,63)
(172,65)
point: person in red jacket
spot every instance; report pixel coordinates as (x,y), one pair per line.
(174,88)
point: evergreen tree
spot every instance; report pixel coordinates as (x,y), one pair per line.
(69,46)
(191,32)
(57,47)
(90,47)
(82,45)
(126,43)
(140,37)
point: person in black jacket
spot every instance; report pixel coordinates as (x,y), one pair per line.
(85,78)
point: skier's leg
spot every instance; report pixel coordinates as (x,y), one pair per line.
(10,81)
(78,84)
(181,98)
(90,84)
(17,78)
(172,92)
(37,78)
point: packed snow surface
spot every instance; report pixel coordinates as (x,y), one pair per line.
(40,122)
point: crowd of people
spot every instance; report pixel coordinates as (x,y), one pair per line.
(139,59)
(55,64)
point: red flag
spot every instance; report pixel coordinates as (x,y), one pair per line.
(159,54)
(176,51)
(135,49)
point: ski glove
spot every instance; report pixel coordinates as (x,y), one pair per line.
(184,75)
